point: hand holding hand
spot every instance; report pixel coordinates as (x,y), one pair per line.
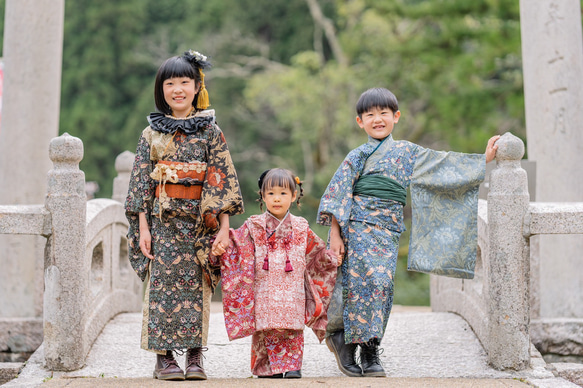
(221,243)
(337,246)
(336,243)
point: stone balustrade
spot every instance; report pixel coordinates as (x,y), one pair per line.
(88,278)
(497,302)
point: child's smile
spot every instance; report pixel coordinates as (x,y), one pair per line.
(378,123)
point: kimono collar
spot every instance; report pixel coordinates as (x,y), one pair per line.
(189,125)
(378,149)
(275,219)
(387,141)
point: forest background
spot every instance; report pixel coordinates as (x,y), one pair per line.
(286,76)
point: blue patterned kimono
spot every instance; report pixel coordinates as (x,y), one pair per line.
(444,197)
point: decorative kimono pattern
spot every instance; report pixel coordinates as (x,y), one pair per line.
(444,188)
(274,304)
(180,280)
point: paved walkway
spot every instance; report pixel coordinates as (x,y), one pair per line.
(421,349)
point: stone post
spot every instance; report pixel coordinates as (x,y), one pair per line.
(552,61)
(123,165)
(66,272)
(508,302)
(32,56)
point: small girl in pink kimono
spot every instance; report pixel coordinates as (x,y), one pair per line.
(277,278)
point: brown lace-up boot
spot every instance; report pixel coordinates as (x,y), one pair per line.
(167,368)
(194,369)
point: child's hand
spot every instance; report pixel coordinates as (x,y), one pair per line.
(146,243)
(491,148)
(337,246)
(336,243)
(221,242)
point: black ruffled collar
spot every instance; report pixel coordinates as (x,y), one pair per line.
(190,125)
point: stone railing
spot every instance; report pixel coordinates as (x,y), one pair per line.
(496,303)
(88,278)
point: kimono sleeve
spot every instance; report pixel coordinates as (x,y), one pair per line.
(221,192)
(321,269)
(139,199)
(337,199)
(238,276)
(444,200)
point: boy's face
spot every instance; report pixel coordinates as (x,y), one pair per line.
(378,123)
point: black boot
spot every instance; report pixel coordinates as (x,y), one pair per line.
(293,374)
(344,354)
(370,361)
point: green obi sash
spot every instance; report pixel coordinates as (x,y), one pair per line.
(380,186)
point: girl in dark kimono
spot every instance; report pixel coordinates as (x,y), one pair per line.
(183,189)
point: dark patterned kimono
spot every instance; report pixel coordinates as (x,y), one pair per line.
(179,155)
(444,197)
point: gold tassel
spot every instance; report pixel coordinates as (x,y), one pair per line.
(203,95)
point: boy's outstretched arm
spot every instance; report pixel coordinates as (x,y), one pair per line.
(491,148)
(336,243)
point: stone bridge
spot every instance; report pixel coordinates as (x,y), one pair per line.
(68,256)
(88,279)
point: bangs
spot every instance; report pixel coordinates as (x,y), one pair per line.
(278,177)
(177,67)
(376,98)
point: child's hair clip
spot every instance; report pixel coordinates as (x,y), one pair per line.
(197,59)
(297,179)
(261,178)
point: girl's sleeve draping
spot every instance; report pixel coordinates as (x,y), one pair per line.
(221,192)
(139,199)
(238,275)
(320,276)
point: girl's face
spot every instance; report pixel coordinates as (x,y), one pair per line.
(278,200)
(179,94)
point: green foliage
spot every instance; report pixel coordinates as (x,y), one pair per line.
(284,83)
(454,65)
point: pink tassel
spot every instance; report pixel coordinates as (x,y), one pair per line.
(266,263)
(288,266)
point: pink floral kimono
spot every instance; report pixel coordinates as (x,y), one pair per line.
(277,277)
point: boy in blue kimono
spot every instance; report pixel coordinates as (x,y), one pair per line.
(363,205)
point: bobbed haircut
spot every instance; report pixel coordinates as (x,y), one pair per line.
(376,98)
(173,67)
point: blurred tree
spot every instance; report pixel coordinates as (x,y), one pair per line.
(287,75)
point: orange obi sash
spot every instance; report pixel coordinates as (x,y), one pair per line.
(179,180)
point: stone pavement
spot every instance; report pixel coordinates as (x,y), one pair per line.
(421,349)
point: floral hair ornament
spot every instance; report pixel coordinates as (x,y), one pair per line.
(199,61)
(297,179)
